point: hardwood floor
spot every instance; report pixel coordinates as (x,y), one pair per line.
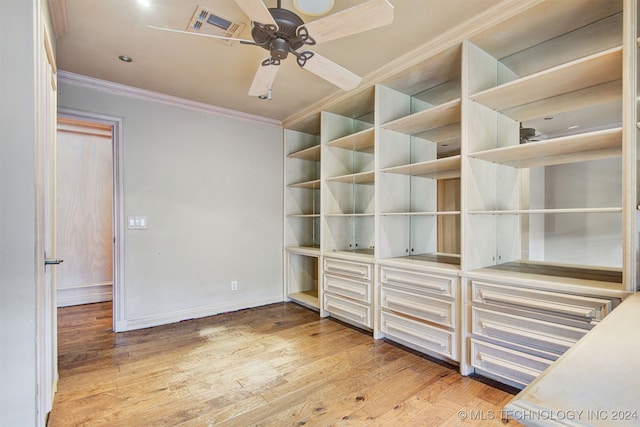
(277,365)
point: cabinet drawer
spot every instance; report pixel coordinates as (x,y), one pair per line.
(546,336)
(425,308)
(349,288)
(359,314)
(416,282)
(358,270)
(419,334)
(515,366)
(586,309)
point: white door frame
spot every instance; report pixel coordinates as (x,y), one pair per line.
(116,124)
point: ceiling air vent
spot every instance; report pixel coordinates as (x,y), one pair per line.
(205,21)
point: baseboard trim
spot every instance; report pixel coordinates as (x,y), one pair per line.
(193,313)
(84,294)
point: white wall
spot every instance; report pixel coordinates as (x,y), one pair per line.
(211,189)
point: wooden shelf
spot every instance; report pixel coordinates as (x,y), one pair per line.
(558,270)
(590,71)
(313,251)
(308,298)
(436,117)
(312,185)
(311,153)
(347,215)
(355,178)
(437,213)
(448,167)
(360,141)
(569,149)
(303,216)
(547,211)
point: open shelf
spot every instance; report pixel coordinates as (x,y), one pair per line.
(347,215)
(569,149)
(304,250)
(547,211)
(355,178)
(311,185)
(311,153)
(448,167)
(432,118)
(359,141)
(308,298)
(442,213)
(590,71)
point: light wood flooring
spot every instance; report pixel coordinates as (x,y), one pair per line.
(277,365)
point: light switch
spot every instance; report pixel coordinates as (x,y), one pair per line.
(137,222)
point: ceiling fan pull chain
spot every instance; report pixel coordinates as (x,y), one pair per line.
(303,34)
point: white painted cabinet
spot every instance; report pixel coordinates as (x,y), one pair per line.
(419,308)
(348,286)
(479,203)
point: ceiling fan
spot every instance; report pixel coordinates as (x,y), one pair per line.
(282,32)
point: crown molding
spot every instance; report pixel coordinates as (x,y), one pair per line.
(455,36)
(147,95)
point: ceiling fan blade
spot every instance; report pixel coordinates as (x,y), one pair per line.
(201,35)
(263,79)
(332,72)
(257,11)
(363,17)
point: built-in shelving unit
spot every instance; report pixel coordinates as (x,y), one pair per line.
(302,223)
(479,204)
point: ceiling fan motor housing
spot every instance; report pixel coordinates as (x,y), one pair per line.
(284,39)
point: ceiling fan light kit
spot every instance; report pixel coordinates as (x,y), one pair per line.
(282,32)
(313,7)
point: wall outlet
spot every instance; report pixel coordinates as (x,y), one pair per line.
(234,285)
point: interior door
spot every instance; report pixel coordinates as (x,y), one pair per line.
(47,315)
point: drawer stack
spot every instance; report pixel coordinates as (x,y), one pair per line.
(516,332)
(347,291)
(418,309)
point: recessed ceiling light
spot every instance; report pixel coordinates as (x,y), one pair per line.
(125,58)
(313,7)
(145,3)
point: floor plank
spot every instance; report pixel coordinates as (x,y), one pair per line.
(277,365)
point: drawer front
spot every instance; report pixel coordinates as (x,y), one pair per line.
(583,308)
(352,311)
(425,308)
(357,270)
(524,331)
(419,334)
(517,367)
(416,282)
(349,288)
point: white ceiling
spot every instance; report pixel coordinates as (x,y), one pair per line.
(209,71)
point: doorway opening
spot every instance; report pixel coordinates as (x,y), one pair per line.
(92,212)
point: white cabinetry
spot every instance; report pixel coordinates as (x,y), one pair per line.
(302,222)
(479,204)
(348,179)
(348,290)
(418,308)
(542,187)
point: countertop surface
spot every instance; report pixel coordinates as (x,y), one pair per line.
(595,383)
